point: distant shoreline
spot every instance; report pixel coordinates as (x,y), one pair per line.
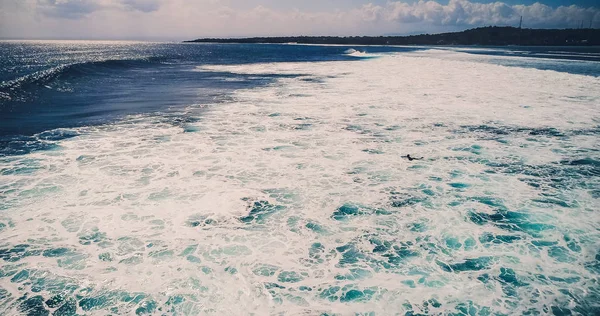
(485,36)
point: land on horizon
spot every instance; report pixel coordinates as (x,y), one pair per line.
(491,35)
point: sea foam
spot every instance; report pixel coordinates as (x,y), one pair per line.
(293,198)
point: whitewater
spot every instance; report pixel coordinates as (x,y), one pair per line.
(292,197)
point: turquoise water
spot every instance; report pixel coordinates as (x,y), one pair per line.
(288,195)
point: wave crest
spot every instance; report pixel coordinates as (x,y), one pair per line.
(12,89)
(356,53)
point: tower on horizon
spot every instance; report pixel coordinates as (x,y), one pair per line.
(521,22)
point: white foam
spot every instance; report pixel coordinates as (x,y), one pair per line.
(356,53)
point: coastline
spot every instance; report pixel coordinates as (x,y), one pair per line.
(484,36)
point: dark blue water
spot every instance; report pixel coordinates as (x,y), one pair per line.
(56,84)
(581,60)
(50,85)
(583,53)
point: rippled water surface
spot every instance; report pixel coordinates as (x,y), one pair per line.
(273,183)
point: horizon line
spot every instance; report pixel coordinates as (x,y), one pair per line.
(180,38)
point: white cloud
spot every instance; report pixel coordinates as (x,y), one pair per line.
(77,9)
(182,19)
(142,5)
(465,13)
(68,9)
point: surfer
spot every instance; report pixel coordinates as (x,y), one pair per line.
(411,158)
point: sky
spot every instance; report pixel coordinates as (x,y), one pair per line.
(190,19)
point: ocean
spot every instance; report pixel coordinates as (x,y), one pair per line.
(232,179)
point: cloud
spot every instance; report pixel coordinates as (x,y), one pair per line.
(466,13)
(78,9)
(183,19)
(142,5)
(67,9)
